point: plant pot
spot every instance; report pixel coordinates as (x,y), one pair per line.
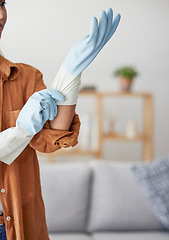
(125,83)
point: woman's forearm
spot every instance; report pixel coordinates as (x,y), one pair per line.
(63,120)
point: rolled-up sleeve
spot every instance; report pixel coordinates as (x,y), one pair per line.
(49,140)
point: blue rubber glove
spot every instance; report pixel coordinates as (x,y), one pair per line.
(84,51)
(40,107)
(68,78)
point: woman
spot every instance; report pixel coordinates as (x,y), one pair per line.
(22,203)
(24,91)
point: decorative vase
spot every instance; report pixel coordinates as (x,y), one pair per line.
(125,83)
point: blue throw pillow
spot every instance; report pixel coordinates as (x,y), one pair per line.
(153,177)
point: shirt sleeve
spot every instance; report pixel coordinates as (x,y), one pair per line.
(49,140)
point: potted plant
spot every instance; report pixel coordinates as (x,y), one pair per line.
(125,76)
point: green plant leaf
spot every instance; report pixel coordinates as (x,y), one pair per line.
(128,72)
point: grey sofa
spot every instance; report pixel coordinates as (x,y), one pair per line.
(98,200)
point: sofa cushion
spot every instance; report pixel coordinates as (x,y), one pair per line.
(69,236)
(146,235)
(65,189)
(117,202)
(153,178)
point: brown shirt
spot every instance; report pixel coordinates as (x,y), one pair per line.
(21,197)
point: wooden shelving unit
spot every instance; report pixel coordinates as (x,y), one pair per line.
(146,137)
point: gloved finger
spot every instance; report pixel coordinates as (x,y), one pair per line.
(53,109)
(54,106)
(49,109)
(109,13)
(47,103)
(102,27)
(44,106)
(45,116)
(36,96)
(57,95)
(44,94)
(93,29)
(52,93)
(114,26)
(45,112)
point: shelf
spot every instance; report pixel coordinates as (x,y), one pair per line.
(122,137)
(116,94)
(146,136)
(88,93)
(67,152)
(125,94)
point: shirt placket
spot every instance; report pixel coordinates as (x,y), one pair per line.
(1,101)
(3,190)
(1,113)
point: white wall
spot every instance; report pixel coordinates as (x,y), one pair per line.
(40,33)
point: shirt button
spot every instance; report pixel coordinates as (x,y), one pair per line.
(8,218)
(2,190)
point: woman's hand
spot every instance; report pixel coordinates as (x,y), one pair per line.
(68,78)
(40,107)
(84,51)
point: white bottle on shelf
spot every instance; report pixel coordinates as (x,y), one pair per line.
(85,132)
(94,132)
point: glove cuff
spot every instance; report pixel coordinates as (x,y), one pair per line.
(68,85)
